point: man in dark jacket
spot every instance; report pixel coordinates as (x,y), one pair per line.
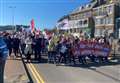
(16,43)
(37,44)
(8,41)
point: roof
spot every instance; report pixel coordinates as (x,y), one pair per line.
(84,7)
(63,17)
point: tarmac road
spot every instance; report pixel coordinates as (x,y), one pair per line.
(90,73)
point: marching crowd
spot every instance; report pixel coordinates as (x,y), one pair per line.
(59,49)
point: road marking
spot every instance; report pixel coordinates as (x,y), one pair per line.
(38,74)
(35,73)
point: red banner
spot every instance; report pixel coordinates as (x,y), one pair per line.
(32,25)
(93,48)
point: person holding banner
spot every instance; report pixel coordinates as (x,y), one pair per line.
(75,52)
(82,48)
(106,52)
(63,51)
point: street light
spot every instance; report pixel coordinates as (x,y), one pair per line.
(13,17)
(105,30)
(1,12)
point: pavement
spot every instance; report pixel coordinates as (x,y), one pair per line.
(15,71)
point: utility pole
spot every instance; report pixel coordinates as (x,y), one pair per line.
(13,16)
(1,12)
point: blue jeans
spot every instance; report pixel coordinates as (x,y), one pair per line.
(52,56)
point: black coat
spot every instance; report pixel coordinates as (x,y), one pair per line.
(16,43)
(38,44)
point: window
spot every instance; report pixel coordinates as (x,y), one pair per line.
(96,12)
(88,14)
(77,15)
(110,21)
(100,11)
(80,22)
(70,30)
(81,16)
(82,7)
(96,21)
(110,9)
(72,17)
(97,32)
(85,22)
(73,30)
(105,11)
(101,21)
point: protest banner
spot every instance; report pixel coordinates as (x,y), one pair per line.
(94,48)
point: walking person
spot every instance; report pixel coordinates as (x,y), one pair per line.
(22,44)
(37,44)
(63,51)
(52,51)
(16,43)
(3,57)
(28,48)
(8,42)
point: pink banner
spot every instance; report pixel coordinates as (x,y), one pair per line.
(92,48)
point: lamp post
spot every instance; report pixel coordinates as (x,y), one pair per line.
(105,30)
(1,12)
(13,16)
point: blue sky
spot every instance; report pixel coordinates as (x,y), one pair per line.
(44,12)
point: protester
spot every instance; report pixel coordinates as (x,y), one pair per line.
(63,51)
(9,43)
(3,57)
(62,48)
(38,49)
(28,48)
(51,51)
(16,43)
(22,44)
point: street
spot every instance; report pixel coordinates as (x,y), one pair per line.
(60,41)
(90,73)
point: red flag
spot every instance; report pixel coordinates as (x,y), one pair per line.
(32,25)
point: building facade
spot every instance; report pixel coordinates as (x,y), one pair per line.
(81,20)
(97,18)
(105,18)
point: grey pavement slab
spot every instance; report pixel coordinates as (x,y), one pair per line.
(15,72)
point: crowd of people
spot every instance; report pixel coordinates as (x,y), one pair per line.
(59,49)
(70,48)
(26,43)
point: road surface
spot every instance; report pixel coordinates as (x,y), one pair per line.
(90,73)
